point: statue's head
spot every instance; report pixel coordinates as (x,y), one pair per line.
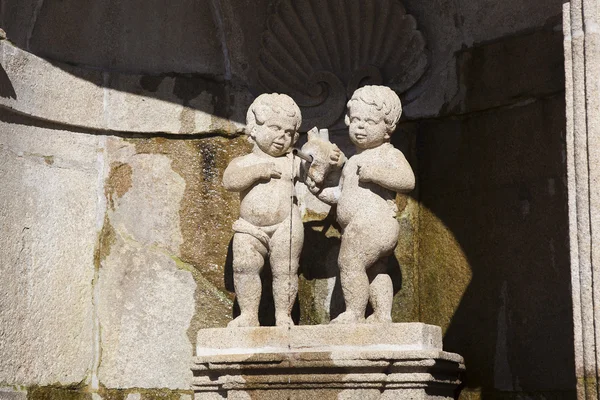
(372,115)
(272,123)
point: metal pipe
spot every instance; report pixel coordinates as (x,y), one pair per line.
(306,157)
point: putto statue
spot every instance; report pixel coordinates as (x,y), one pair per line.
(270,224)
(366,207)
(265,180)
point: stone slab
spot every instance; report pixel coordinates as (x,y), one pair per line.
(316,338)
(48,209)
(129,36)
(117,102)
(379,361)
(145,299)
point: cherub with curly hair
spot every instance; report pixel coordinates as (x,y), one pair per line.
(366,207)
(265,180)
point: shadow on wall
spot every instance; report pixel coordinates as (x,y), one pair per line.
(493,247)
(6,88)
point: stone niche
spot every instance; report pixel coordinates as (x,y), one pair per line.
(117,120)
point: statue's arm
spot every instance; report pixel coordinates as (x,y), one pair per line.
(396,175)
(238,177)
(328,194)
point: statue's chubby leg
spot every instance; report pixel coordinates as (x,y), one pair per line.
(285,260)
(365,241)
(248,260)
(381,292)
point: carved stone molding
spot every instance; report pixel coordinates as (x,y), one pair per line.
(320,51)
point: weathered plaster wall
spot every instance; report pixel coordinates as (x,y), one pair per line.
(115,229)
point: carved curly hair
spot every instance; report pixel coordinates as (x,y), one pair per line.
(272,103)
(383,99)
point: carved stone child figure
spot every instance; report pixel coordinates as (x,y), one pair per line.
(366,207)
(265,180)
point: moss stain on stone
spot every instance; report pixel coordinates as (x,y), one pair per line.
(106,238)
(145,394)
(207,212)
(406,302)
(444,270)
(57,392)
(118,183)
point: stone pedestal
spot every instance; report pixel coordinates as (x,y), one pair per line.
(391,361)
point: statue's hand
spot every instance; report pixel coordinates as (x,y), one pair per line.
(270,171)
(365,173)
(312,185)
(334,155)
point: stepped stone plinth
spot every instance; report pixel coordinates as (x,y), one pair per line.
(364,361)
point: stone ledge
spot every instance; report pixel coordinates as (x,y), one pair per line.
(325,361)
(110,101)
(318,338)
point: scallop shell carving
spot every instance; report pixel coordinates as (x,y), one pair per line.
(320,51)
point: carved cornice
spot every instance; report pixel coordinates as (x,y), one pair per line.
(320,51)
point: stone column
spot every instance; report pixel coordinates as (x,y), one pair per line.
(582,67)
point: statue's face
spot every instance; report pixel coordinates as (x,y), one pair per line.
(367,127)
(276,136)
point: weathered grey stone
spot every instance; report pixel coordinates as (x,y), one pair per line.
(150,36)
(486,20)
(380,45)
(11,394)
(493,245)
(337,362)
(269,223)
(531,67)
(315,338)
(366,208)
(118,102)
(582,47)
(145,301)
(48,211)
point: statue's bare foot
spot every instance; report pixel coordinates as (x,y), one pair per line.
(244,320)
(283,320)
(379,319)
(348,317)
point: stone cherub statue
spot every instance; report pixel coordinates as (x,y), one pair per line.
(366,207)
(270,224)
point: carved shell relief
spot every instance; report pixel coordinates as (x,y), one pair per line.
(320,51)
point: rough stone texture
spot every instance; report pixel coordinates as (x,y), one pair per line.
(582,48)
(161,276)
(48,209)
(493,246)
(206,213)
(532,67)
(11,394)
(145,301)
(318,338)
(375,43)
(269,227)
(325,361)
(151,36)
(366,208)
(506,172)
(118,102)
(486,20)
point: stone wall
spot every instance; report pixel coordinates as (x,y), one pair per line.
(117,121)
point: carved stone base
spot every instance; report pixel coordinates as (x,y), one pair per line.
(388,361)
